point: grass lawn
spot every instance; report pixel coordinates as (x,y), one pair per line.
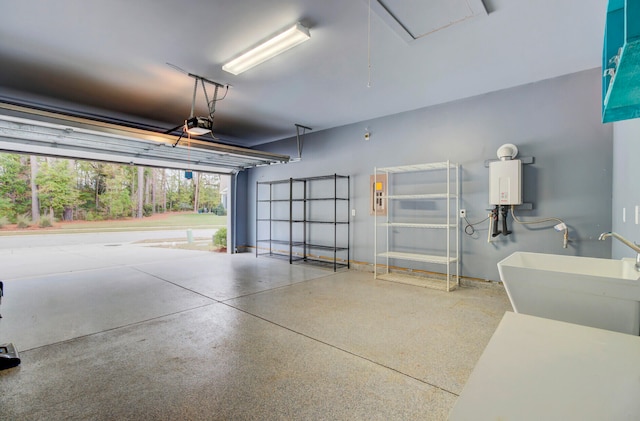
(175,220)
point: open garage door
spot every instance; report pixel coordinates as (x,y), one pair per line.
(24,130)
(36,132)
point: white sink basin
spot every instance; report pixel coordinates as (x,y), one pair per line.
(601,293)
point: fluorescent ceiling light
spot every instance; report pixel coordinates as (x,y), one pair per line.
(275,45)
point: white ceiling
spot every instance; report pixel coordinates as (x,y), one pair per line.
(109,57)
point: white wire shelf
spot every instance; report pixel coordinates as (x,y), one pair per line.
(419,167)
(412,225)
(433,283)
(420,196)
(427,258)
(416,187)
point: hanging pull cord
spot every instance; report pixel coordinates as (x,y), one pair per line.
(369,48)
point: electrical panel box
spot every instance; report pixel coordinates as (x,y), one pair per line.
(378,193)
(505,182)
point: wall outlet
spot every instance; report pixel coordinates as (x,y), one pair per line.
(463,213)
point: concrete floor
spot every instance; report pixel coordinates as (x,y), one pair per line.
(132,332)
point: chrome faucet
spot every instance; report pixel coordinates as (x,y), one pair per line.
(633,246)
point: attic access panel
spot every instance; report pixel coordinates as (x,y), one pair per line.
(412,19)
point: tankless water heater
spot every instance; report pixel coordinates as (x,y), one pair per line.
(505,182)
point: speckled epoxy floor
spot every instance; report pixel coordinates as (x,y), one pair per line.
(192,335)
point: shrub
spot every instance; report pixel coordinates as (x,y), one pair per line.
(23,222)
(219,210)
(45,222)
(3,221)
(220,238)
(94,216)
(147,209)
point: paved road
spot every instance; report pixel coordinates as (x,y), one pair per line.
(49,240)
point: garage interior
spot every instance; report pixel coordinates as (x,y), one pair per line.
(134,332)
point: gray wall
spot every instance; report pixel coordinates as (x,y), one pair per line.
(626,194)
(555,121)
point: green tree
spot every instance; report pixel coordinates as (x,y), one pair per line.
(117,195)
(57,187)
(180,191)
(15,194)
(209,191)
(35,202)
(90,186)
(97,190)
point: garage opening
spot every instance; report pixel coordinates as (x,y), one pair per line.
(39,133)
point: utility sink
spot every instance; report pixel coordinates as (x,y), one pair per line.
(602,293)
